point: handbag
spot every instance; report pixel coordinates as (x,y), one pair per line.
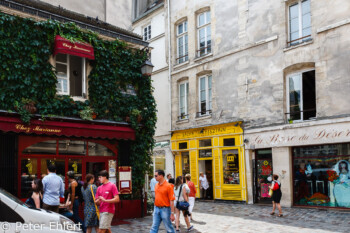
(270,192)
(182,205)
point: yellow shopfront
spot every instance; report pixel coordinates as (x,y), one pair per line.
(218,152)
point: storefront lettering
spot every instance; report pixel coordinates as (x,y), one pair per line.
(29,129)
(206,132)
(309,137)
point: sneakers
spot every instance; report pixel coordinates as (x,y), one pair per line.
(190,229)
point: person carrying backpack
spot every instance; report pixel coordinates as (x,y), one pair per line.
(76,198)
(276,195)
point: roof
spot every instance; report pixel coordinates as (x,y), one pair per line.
(48,11)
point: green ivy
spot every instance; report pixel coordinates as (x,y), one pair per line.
(25,72)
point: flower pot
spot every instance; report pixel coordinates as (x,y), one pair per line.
(139,118)
(127,119)
(30,108)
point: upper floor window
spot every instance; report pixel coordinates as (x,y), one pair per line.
(299,22)
(205,95)
(147,33)
(301,100)
(204,33)
(183,101)
(182,42)
(71,75)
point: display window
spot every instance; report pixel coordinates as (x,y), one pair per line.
(230,159)
(322,175)
(159,162)
(263,175)
(80,156)
(185,163)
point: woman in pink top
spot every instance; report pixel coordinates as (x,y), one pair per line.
(106,197)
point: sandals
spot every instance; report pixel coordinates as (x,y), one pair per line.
(272,213)
(280,215)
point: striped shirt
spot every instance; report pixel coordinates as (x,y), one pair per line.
(53,189)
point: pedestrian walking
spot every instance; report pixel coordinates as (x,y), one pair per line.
(153,185)
(106,196)
(203,184)
(90,216)
(164,204)
(168,177)
(276,195)
(36,197)
(191,196)
(181,195)
(76,198)
(53,189)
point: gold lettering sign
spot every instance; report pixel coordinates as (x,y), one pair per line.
(231,158)
(76,47)
(29,129)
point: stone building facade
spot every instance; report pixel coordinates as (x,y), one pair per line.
(275,70)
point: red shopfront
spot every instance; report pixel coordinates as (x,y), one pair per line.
(72,145)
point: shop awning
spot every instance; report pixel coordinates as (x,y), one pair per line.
(66,128)
(77,49)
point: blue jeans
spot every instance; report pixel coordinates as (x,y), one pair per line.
(75,216)
(159,215)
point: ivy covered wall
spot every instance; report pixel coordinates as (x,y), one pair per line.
(25,73)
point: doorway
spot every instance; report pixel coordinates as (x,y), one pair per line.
(94,168)
(263,170)
(206,166)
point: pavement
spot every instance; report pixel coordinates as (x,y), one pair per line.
(215,217)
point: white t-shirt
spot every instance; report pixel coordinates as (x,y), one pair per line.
(177,192)
(204,182)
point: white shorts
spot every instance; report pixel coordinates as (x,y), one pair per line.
(105,220)
(191,202)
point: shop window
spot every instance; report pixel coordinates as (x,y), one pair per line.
(96,149)
(185,163)
(75,166)
(204,33)
(46,147)
(205,143)
(182,145)
(299,22)
(205,95)
(28,174)
(60,167)
(182,42)
(322,175)
(71,75)
(159,162)
(205,153)
(71,147)
(230,159)
(229,142)
(302,96)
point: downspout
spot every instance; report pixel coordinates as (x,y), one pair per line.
(169,80)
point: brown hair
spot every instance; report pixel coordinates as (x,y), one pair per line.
(87,179)
(275,177)
(38,186)
(178,182)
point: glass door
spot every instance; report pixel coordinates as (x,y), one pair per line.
(94,168)
(263,172)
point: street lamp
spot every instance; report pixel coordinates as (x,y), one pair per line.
(147,68)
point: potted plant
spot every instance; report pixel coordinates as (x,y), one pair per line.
(87,113)
(28,105)
(136,114)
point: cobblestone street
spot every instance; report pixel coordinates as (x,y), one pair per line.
(228,217)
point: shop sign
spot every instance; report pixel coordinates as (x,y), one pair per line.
(36,129)
(208,131)
(300,136)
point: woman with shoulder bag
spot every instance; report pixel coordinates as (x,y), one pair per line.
(181,203)
(276,195)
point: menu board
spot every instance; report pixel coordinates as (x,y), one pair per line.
(125,180)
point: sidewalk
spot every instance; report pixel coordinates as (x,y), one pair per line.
(227,217)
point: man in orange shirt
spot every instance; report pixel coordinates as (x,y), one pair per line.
(163,204)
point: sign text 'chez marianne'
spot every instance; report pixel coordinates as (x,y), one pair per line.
(36,129)
(307,137)
(76,47)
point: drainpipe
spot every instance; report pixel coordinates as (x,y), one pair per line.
(169,69)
